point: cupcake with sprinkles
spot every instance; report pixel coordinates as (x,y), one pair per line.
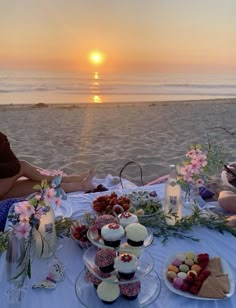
(130,290)
(127,218)
(112,234)
(136,234)
(104,259)
(104,220)
(126,265)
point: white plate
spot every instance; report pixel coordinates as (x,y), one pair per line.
(226,270)
(64,210)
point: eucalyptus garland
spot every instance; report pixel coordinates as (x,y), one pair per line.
(161,229)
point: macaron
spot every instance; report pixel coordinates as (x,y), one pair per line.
(171,275)
(177,262)
(173,268)
(184,268)
(180,256)
(182,275)
(177,282)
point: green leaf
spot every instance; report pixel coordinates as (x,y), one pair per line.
(37,187)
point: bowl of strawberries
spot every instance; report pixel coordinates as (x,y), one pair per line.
(109,203)
(79,229)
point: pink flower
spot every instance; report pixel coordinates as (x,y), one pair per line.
(199,182)
(202,160)
(195,166)
(24,208)
(24,219)
(191,153)
(49,195)
(22,230)
(57,201)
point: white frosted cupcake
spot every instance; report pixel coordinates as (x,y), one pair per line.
(136,234)
(108,292)
(127,218)
(112,234)
(126,264)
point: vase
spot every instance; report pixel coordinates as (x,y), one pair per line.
(193,198)
(15,250)
(45,236)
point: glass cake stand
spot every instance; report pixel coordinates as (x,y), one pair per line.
(150,291)
(145,265)
(97,240)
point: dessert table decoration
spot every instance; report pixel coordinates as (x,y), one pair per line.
(24,222)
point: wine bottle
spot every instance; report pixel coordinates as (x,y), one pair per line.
(173,196)
(45,236)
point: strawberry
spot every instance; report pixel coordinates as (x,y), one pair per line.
(193,290)
(185,287)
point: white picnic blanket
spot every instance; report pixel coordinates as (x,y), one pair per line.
(212,242)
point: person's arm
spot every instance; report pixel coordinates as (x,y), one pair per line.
(227,200)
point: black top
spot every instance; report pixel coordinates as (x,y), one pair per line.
(9,163)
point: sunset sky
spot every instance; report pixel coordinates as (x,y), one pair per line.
(135,35)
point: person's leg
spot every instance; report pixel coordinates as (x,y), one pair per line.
(37,174)
(13,189)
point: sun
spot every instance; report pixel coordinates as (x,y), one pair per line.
(96,57)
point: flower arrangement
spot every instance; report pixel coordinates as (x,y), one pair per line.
(24,220)
(26,215)
(200,165)
(192,170)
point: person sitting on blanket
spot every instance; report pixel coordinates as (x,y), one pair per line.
(17,177)
(227,198)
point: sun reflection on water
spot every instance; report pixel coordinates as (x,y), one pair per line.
(97,99)
(95,89)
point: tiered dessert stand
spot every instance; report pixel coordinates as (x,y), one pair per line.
(145,273)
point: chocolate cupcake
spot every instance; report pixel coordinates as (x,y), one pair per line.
(104,259)
(108,292)
(126,265)
(136,234)
(130,290)
(112,234)
(104,220)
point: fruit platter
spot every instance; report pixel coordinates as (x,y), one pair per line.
(142,203)
(199,276)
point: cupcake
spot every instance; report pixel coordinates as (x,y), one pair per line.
(127,218)
(112,234)
(130,290)
(125,247)
(136,234)
(104,259)
(104,220)
(89,277)
(108,292)
(126,265)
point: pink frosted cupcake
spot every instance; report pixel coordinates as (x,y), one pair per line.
(104,259)
(89,277)
(130,290)
(104,220)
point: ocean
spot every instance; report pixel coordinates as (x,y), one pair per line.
(33,87)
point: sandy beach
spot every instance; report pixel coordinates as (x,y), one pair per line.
(73,138)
